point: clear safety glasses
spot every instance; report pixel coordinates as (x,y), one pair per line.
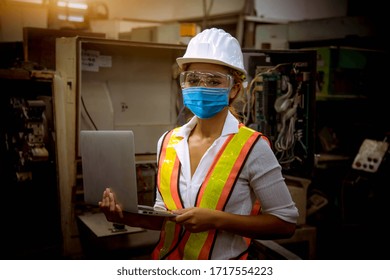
(205,79)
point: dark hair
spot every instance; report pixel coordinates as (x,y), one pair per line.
(238,80)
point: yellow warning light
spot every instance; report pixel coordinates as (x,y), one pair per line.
(188,29)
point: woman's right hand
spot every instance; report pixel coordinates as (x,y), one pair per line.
(109,207)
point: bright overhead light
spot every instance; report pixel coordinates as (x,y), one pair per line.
(76,18)
(72,5)
(81,6)
(71,18)
(30,1)
(62,17)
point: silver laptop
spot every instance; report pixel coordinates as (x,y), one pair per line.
(108,160)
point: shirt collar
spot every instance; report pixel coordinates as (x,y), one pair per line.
(230,126)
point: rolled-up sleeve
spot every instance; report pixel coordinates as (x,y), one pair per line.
(267,181)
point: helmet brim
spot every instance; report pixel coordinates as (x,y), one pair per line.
(184,60)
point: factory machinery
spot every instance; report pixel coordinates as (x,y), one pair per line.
(280,103)
(28,166)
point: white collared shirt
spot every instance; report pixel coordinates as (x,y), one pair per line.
(260,177)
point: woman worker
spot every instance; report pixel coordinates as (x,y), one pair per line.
(220,177)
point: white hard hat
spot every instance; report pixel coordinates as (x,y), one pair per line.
(214,46)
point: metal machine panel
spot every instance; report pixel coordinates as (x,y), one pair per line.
(281,102)
(110,84)
(124,85)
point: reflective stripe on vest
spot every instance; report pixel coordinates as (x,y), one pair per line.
(176,243)
(169,164)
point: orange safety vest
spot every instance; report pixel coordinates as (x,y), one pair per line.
(175,242)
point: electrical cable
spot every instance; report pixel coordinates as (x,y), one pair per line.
(88,115)
(288,137)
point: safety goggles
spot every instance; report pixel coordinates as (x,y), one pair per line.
(206,79)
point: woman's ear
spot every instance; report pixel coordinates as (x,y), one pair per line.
(234,91)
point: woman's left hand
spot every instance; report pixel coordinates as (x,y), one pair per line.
(197,219)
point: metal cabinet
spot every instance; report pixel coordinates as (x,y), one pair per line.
(111,84)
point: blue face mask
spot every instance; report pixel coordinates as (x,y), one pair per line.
(205,102)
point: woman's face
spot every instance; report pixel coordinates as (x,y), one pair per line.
(210,68)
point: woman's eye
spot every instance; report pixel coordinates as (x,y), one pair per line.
(193,81)
(213,82)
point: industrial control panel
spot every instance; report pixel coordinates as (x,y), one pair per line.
(280,103)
